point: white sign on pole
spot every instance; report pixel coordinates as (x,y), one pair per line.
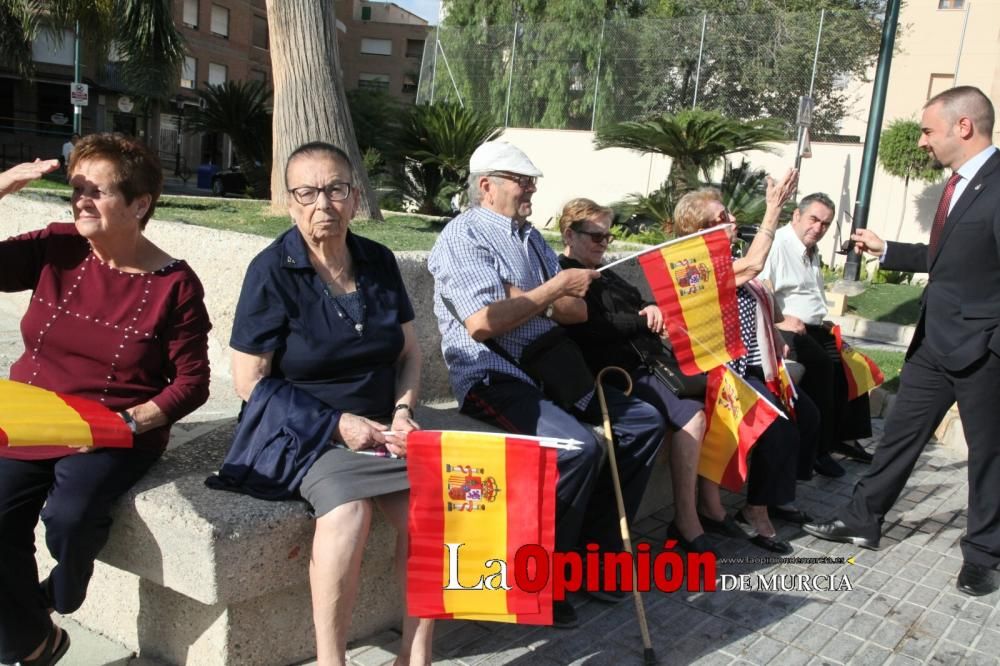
(125,104)
(79,94)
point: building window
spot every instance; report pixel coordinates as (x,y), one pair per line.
(409,83)
(190,73)
(191,13)
(938,83)
(220,21)
(260,36)
(217,74)
(366,13)
(414,48)
(373,81)
(376,46)
(951,4)
(258,75)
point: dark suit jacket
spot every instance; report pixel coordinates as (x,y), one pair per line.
(960,308)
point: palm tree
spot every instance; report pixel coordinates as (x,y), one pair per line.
(142,31)
(239,109)
(309,100)
(434,147)
(694,139)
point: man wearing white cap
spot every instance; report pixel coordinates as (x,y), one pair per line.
(497,289)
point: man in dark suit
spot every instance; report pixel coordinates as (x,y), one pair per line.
(955,352)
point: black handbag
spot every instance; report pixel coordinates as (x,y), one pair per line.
(556,363)
(661,362)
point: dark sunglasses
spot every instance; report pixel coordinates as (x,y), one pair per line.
(596,236)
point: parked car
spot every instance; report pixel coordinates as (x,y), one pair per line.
(229,181)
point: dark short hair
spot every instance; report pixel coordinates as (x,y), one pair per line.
(966,101)
(137,168)
(314,148)
(816,197)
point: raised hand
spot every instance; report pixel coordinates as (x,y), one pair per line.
(16,177)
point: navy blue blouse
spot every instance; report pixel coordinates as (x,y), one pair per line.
(285,308)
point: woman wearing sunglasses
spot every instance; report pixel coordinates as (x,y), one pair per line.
(620,324)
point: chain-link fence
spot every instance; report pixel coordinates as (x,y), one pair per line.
(572,76)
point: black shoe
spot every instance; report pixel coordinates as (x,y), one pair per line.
(836,530)
(699,544)
(789,515)
(854,451)
(54,649)
(827,466)
(977,580)
(564,615)
(772,544)
(726,527)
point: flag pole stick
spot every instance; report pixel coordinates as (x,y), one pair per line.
(648,655)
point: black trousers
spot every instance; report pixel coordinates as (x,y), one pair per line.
(74,496)
(784,452)
(826,384)
(926,392)
(585,500)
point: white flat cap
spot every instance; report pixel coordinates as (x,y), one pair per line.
(501,156)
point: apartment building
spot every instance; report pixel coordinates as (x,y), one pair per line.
(381,47)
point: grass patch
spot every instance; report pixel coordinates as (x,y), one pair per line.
(51,182)
(890,362)
(893,303)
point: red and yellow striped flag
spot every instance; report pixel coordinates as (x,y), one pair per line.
(737,415)
(861,372)
(692,281)
(35,417)
(475,499)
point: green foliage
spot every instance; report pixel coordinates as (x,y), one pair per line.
(694,139)
(884,276)
(639,213)
(375,115)
(831,275)
(894,303)
(142,31)
(434,147)
(239,109)
(899,154)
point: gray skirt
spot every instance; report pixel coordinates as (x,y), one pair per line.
(340,476)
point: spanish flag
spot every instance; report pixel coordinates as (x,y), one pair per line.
(737,415)
(475,499)
(861,372)
(692,281)
(35,417)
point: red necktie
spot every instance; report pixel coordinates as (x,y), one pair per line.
(942,212)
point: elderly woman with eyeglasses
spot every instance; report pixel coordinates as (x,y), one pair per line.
(784,451)
(326,312)
(620,326)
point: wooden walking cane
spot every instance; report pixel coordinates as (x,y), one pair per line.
(648,655)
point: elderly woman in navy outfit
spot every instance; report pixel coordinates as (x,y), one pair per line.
(327,311)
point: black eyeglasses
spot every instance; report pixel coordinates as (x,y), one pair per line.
(596,236)
(524,181)
(333,192)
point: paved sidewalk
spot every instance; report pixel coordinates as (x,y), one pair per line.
(903,608)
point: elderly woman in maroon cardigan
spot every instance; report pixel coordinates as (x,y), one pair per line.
(115,319)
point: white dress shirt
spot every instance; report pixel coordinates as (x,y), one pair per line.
(796,276)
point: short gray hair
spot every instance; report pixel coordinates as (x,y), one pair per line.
(816,197)
(475,195)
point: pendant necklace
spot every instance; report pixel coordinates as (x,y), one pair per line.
(359,326)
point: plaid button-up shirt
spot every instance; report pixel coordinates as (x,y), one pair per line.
(476,255)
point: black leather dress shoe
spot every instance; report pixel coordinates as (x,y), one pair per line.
(977,580)
(827,466)
(789,515)
(836,530)
(854,451)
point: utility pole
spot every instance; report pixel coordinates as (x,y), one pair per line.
(852,268)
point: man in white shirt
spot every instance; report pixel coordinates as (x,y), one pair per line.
(794,270)
(67,150)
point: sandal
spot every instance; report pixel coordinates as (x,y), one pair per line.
(56,645)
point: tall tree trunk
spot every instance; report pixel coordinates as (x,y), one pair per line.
(309,100)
